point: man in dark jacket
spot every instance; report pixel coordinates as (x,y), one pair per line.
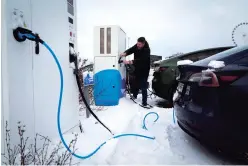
(141,62)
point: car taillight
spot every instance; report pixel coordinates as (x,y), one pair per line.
(205,78)
(228,78)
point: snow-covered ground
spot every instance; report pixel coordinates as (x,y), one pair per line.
(171,144)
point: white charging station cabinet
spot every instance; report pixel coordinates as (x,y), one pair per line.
(31,82)
(109,42)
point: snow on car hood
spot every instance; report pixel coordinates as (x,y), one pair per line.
(184,62)
(216,64)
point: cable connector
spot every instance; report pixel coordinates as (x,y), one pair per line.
(21,34)
(120,60)
(76,71)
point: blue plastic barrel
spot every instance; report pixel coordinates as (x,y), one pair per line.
(107,87)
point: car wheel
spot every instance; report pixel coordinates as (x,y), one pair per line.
(170,100)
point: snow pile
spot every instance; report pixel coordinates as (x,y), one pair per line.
(151,73)
(216,64)
(184,62)
(208,70)
(88,63)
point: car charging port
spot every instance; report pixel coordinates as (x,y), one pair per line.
(72,53)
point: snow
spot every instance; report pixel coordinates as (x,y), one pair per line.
(184,62)
(171,144)
(216,64)
(88,63)
(208,70)
(150,77)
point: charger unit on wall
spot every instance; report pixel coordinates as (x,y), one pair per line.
(109,42)
(31,82)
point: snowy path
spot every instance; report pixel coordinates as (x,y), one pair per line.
(171,146)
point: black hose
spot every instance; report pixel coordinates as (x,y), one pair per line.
(128,87)
(84,100)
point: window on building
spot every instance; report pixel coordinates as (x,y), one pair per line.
(70,7)
(70,2)
(101,40)
(108,40)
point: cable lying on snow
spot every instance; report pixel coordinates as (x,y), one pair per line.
(58,116)
(21,35)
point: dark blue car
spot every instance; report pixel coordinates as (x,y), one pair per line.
(211,101)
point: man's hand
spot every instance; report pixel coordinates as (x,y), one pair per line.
(123,54)
(127,62)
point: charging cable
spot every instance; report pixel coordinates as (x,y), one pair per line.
(21,35)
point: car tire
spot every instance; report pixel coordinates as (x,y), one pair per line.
(171,96)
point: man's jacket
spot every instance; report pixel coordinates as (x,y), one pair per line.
(141,60)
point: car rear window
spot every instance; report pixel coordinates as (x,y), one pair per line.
(225,56)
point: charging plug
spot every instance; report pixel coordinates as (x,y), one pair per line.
(21,34)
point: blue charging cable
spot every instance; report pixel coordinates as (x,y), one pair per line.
(29,35)
(144,120)
(59,109)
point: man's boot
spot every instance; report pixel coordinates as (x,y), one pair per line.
(144,97)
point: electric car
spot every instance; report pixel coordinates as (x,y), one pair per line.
(211,101)
(164,81)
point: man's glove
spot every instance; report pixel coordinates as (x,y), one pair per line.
(123,54)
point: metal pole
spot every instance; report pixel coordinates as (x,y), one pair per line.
(87,98)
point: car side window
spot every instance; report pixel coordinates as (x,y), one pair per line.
(192,57)
(242,61)
(197,57)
